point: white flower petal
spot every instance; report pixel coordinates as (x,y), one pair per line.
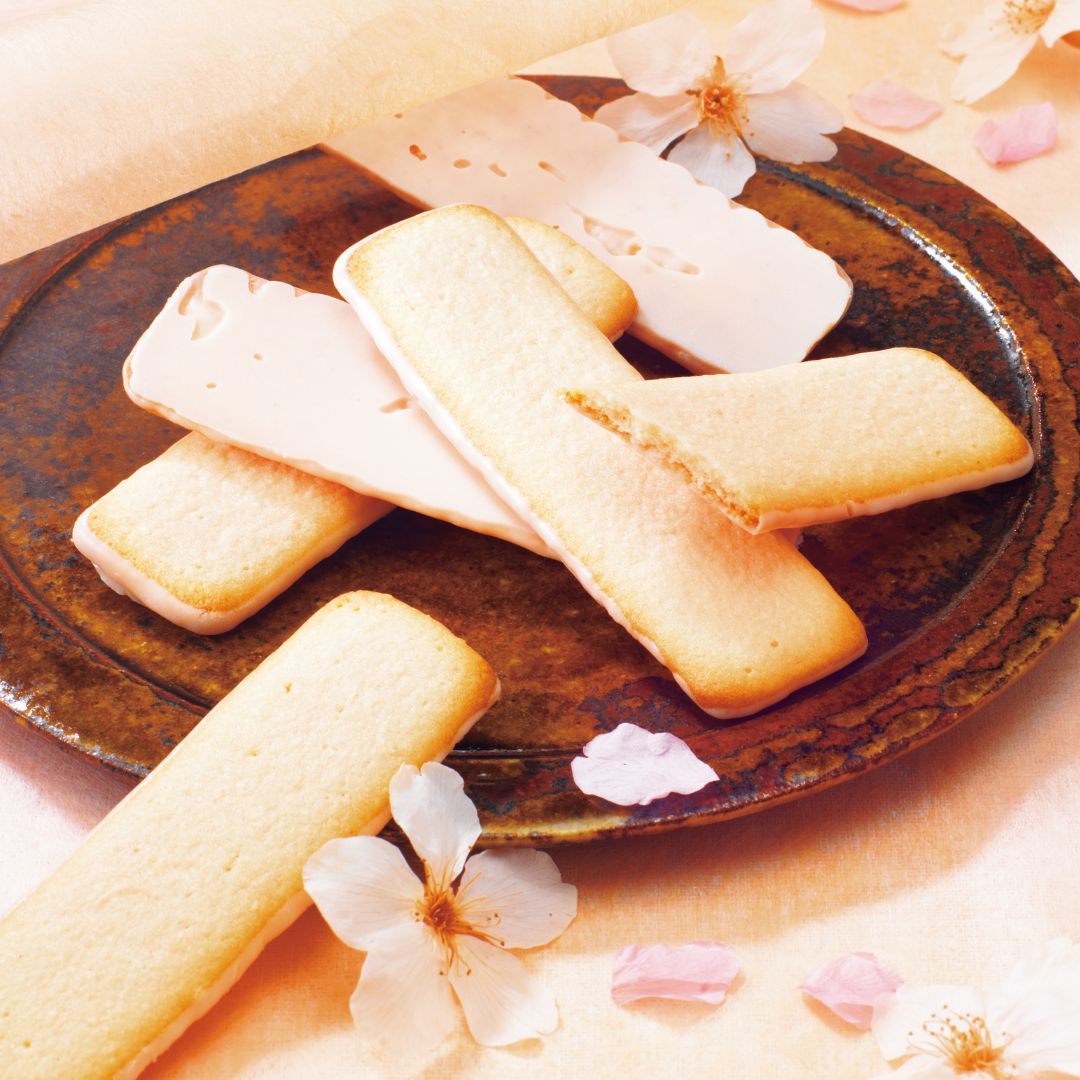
(1064,19)
(788,125)
(1038,1006)
(363,887)
(503,1002)
(724,164)
(517,896)
(654,121)
(403,999)
(436,815)
(974,33)
(898,1015)
(1057,960)
(774,44)
(991,64)
(663,56)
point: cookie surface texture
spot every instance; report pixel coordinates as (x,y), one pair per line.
(173,894)
(820,441)
(206,534)
(484,339)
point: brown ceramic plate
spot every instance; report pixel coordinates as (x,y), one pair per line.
(959,596)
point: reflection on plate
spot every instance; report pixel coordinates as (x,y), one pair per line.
(959,596)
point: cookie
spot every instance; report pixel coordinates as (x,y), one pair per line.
(294,377)
(175,893)
(820,441)
(206,534)
(719,287)
(740,621)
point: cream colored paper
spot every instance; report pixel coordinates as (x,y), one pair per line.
(110,107)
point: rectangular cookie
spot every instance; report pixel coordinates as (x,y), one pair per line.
(822,441)
(207,534)
(175,893)
(294,377)
(718,286)
(484,339)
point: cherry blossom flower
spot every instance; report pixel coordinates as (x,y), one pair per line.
(995,42)
(1025,1029)
(725,106)
(429,941)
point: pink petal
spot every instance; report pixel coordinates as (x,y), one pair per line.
(699,971)
(872,6)
(774,45)
(1022,134)
(887,105)
(656,122)
(990,64)
(664,56)
(722,163)
(789,125)
(631,766)
(850,986)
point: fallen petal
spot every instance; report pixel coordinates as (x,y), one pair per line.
(631,766)
(1022,134)
(699,971)
(850,986)
(888,105)
(663,56)
(872,6)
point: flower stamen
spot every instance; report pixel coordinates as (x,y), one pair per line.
(1025,17)
(964,1041)
(721,104)
(442,910)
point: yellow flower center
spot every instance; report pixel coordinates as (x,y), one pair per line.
(721,104)
(1027,16)
(965,1043)
(447,913)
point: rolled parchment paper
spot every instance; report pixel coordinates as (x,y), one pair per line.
(110,106)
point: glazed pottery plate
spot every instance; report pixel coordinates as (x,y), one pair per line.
(959,595)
